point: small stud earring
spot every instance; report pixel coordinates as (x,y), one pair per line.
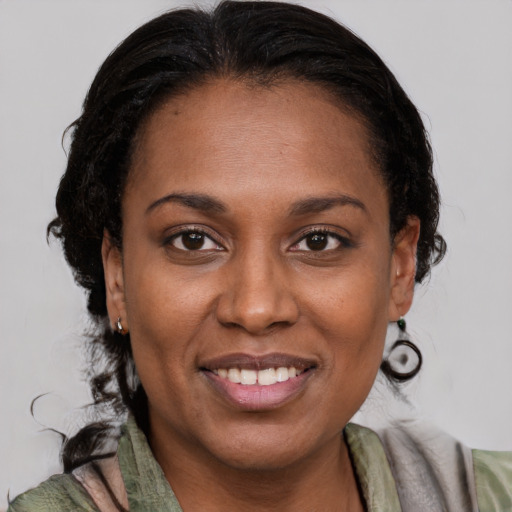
(119,326)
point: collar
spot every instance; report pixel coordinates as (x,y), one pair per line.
(148,489)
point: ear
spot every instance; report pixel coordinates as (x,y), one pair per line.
(114,281)
(403,268)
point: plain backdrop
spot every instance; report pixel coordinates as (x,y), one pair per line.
(454,58)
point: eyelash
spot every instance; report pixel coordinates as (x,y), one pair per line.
(189,231)
(342,241)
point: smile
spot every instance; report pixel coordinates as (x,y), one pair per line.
(265,377)
(258,383)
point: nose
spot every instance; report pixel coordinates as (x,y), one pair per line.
(257,295)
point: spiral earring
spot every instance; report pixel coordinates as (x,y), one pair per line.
(404,360)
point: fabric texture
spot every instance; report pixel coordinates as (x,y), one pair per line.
(432,470)
(401,469)
(493,478)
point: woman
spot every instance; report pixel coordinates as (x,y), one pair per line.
(249,204)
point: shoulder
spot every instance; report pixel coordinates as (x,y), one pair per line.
(493,479)
(60,493)
(434,471)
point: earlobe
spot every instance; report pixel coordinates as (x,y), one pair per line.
(114,281)
(403,268)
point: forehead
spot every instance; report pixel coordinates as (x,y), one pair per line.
(227,134)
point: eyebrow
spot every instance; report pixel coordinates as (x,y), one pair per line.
(321,204)
(208,204)
(200,202)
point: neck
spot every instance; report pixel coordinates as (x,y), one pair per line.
(322,481)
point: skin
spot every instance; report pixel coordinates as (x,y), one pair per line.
(256,287)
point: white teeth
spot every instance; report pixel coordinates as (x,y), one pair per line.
(265,377)
(234,375)
(282,374)
(248,377)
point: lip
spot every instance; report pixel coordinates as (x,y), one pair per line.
(257,397)
(253,362)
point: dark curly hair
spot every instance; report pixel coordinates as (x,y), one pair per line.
(259,42)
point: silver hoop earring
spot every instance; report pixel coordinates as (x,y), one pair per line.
(404,360)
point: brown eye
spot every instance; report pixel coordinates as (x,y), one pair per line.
(194,241)
(317,241)
(320,241)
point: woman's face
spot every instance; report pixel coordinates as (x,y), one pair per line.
(256,247)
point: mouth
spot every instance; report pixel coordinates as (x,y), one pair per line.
(265,377)
(256,383)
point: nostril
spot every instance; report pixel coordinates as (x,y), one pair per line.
(230,325)
(272,326)
(276,325)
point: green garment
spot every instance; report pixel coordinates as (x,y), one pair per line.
(148,490)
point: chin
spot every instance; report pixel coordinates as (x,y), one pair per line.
(259,459)
(264,449)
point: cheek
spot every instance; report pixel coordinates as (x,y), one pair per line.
(351,302)
(165,310)
(158,294)
(350,309)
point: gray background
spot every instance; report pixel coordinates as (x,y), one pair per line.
(455,60)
